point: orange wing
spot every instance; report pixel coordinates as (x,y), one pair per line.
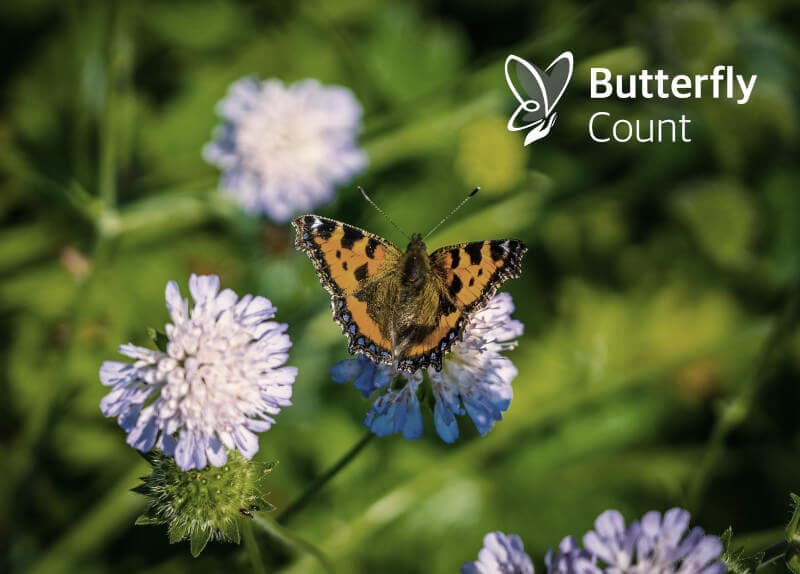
(472,272)
(346,259)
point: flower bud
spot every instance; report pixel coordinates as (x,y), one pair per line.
(199,505)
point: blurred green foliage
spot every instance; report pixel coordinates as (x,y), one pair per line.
(651,373)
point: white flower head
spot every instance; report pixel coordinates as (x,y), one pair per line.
(283,149)
(221,380)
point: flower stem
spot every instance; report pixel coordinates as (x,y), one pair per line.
(323,479)
(252,549)
(774,553)
(289,541)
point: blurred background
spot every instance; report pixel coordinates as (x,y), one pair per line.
(661,356)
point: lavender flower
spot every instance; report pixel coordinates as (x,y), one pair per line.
(475,379)
(570,559)
(283,149)
(656,545)
(220,380)
(501,554)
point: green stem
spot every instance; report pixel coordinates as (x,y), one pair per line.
(290,541)
(774,553)
(323,479)
(251,546)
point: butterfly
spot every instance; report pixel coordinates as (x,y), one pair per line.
(537,92)
(403,308)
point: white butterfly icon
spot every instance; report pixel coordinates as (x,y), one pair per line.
(537,93)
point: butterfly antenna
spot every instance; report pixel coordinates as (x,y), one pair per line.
(449,215)
(382,212)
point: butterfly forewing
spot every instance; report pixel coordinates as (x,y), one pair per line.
(473,272)
(347,259)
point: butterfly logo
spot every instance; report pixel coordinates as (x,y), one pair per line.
(537,92)
(403,308)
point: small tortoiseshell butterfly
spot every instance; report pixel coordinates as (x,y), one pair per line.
(405,309)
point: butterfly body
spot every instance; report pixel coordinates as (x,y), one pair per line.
(403,308)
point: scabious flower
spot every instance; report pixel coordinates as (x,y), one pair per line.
(569,558)
(501,554)
(475,379)
(219,379)
(655,545)
(283,149)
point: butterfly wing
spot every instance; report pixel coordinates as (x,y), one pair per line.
(472,272)
(348,260)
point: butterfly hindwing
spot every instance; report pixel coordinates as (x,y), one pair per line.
(472,272)
(430,349)
(347,259)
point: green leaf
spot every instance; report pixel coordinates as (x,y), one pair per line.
(199,540)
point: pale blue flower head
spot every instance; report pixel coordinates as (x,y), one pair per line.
(658,544)
(283,149)
(220,380)
(501,554)
(475,379)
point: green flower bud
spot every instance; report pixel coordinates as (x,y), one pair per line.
(199,505)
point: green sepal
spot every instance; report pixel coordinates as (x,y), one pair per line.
(178,532)
(735,559)
(231,533)
(147,520)
(266,506)
(141,489)
(159,339)
(199,540)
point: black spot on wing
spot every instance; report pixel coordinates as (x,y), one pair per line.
(498,250)
(455,286)
(371,245)
(474,252)
(455,257)
(321,227)
(351,235)
(361,272)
